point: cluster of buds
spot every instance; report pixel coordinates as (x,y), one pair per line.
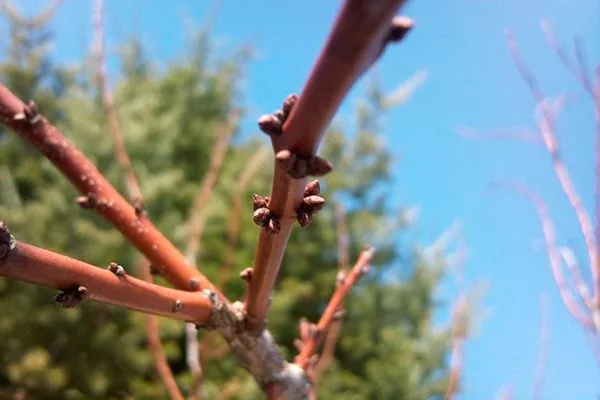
(272,124)
(308,331)
(311,203)
(263,216)
(298,167)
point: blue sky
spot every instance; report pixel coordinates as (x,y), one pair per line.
(471,82)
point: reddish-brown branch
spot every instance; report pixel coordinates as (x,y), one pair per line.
(156,348)
(547,129)
(540,369)
(42,267)
(311,342)
(571,303)
(108,102)
(98,193)
(359,35)
(334,330)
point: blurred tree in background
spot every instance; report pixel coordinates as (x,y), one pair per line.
(389,347)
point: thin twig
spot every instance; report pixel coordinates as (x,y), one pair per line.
(552,251)
(198,214)
(547,129)
(334,330)
(359,36)
(42,267)
(592,88)
(108,102)
(154,344)
(524,135)
(540,370)
(156,348)
(98,193)
(311,340)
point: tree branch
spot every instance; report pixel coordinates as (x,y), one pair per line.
(98,193)
(547,129)
(334,330)
(553,253)
(311,337)
(359,36)
(156,348)
(78,280)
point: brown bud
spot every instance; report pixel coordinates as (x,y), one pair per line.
(72,297)
(116,269)
(288,104)
(194,284)
(339,314)
(400,28)
(246,274)
(262,216)
(312,188)
(285,159)
(177,306)
(140,209)
(304,217)
(300,169)
(154,270)
(258,202)
(318,166)
(270,124)
(274,226)
(313,204)
(86,202)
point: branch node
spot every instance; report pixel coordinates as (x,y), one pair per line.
(7,240)
(274,226)
(339,314)
(116,269)
(298,167)
(72,297)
